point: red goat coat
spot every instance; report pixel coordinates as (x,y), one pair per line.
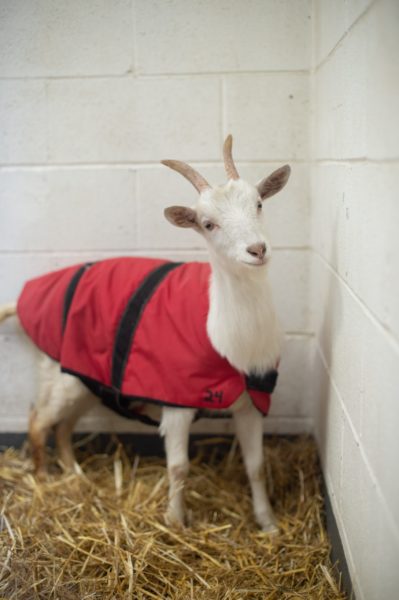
(134,331)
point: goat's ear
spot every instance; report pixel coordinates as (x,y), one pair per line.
(181,216)
(274,183)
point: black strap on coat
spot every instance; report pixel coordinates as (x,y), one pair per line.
(131,318)
(112,397)
(70,292)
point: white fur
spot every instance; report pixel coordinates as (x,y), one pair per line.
(175,427)
(8,310)
(241,325)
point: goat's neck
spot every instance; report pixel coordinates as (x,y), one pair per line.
(242,323)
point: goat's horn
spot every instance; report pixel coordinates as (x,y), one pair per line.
(189,173)
(229,165)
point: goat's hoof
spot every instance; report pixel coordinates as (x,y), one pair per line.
(40,474)
(77,469)
(270,529)
(174,519)
(267,523)
(67,468)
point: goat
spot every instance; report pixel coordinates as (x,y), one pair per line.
(241,326)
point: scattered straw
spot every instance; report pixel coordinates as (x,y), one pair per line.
(102,535)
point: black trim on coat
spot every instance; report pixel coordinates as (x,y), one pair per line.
(118,402)
(70,292)
(262,383)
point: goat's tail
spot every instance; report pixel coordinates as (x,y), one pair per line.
(8,310)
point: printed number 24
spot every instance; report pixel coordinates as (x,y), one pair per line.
(213,396)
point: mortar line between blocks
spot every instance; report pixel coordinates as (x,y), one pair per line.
(312,40)
(135,52)
(390,336)
(311,91)
(155,75)
(137,205)
(359,444)
(223,119)
(292,334)
(82,77)
(140,165)
(244,72)
(362,160)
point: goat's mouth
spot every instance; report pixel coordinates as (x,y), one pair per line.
(260,262)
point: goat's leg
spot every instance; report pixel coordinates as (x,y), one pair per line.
(40,421)
(249,428)
(63,433)
(65,427)
(62,400)
(175,427)
(38,434)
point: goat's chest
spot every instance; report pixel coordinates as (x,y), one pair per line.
(246,331)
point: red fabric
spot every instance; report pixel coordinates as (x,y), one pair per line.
(171,359)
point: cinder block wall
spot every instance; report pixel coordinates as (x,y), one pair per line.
(355,277)
(93,95)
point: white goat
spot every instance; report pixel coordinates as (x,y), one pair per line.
(241,326)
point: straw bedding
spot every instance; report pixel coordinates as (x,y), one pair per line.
(101,534)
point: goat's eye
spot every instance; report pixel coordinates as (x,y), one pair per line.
(259,205)
(209,226)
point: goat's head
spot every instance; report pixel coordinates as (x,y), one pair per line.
(229,216)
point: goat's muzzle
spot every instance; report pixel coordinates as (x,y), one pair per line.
(257,250)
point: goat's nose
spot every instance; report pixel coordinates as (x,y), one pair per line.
(258,250)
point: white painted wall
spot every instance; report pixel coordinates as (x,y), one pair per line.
(93,95)
(355,279)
